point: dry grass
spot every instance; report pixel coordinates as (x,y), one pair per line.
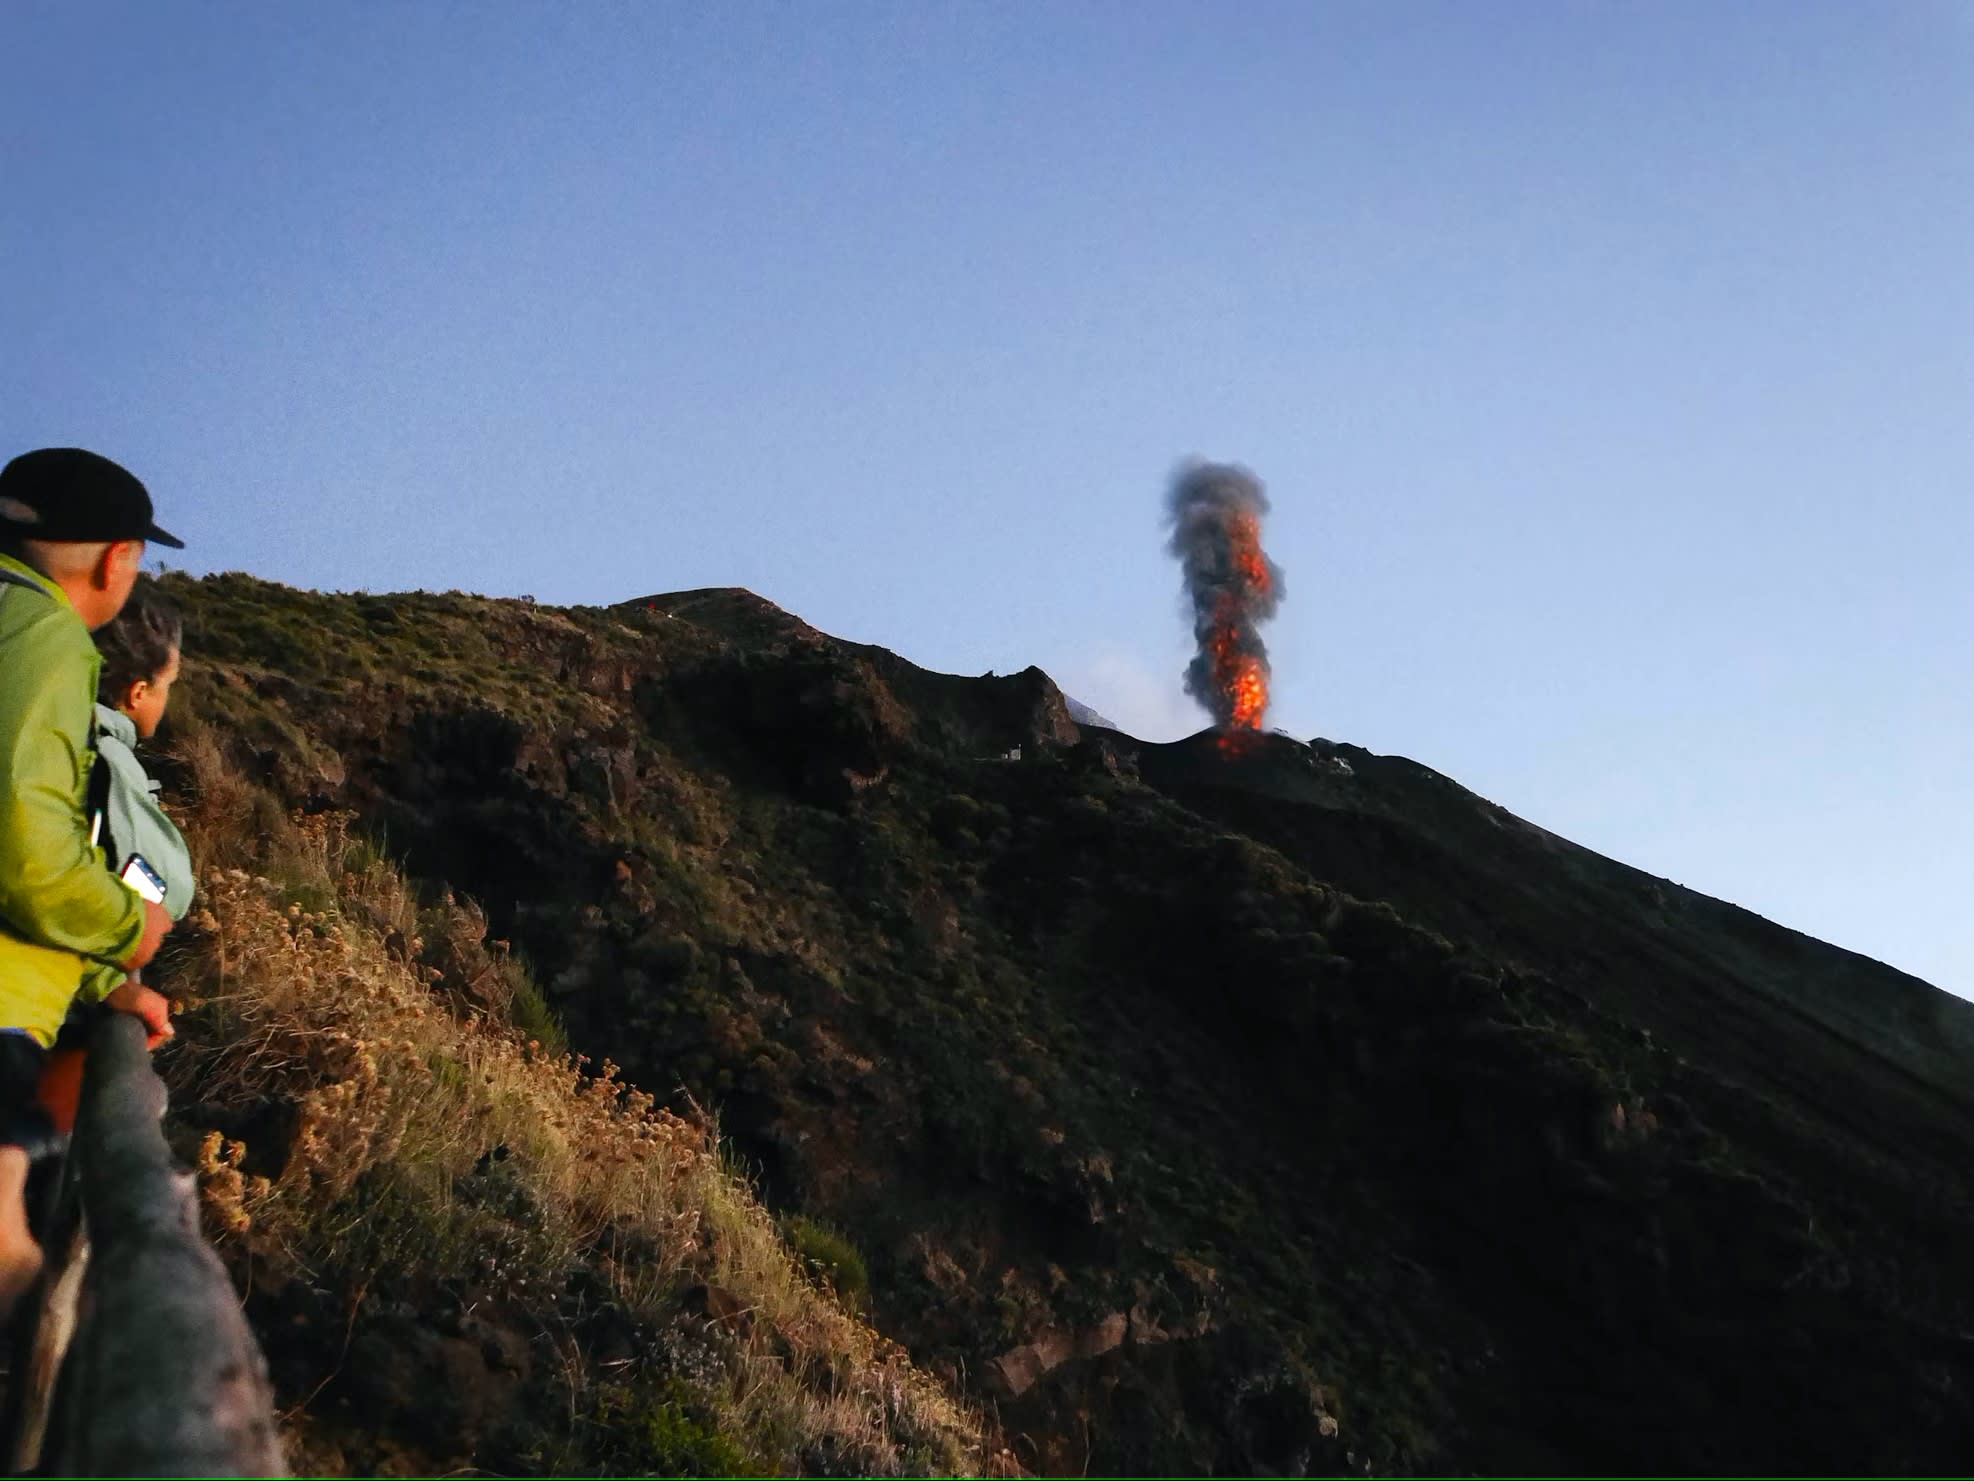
(383,1027)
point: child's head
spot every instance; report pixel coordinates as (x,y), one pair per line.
(140,658)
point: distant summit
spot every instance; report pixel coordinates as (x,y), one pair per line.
(732,611)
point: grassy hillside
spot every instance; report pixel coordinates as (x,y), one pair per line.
(1271,1113)
(464,1246)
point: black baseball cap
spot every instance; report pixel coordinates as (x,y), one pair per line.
(67,494)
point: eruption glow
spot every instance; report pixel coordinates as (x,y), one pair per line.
(1215,511)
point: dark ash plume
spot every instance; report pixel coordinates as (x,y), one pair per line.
(1215,511)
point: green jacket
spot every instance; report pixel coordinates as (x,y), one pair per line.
(60,909)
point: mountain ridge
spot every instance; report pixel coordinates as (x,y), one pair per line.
(1279,1109)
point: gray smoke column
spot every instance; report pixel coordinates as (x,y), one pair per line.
(1215,511)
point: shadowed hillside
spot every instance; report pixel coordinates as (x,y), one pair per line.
(1281,1109)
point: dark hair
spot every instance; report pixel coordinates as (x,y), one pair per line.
(138,644)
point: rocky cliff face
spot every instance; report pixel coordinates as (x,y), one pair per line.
(1284,1110)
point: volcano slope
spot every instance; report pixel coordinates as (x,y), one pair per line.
(1279,1110)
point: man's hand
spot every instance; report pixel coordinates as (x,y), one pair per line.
(157,921)
(142,1002)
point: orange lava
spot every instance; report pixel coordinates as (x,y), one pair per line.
(1238,675)
(1244,536)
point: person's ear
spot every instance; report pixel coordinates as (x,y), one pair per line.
(115,557)
(133,694)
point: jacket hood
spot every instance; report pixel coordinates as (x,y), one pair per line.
(116,723)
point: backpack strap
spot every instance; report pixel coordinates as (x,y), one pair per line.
(97,806)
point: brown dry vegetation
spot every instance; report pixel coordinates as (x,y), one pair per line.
(398,1132)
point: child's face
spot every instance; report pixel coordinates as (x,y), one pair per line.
(146,700)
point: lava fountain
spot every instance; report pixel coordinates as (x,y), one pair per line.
(1215,511)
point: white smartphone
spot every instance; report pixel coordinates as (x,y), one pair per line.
(141,877)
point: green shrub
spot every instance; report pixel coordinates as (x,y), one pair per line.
(448,1070)
(661,1435)
(828,1251)
(529,1012)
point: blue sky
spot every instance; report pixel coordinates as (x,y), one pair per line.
(1609,366)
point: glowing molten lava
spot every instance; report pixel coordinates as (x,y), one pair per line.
(1241,679)
(1250,695)
(1238,674)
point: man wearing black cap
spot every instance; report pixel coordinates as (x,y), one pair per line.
(73,527)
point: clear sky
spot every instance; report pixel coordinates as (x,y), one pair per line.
(1609,366)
